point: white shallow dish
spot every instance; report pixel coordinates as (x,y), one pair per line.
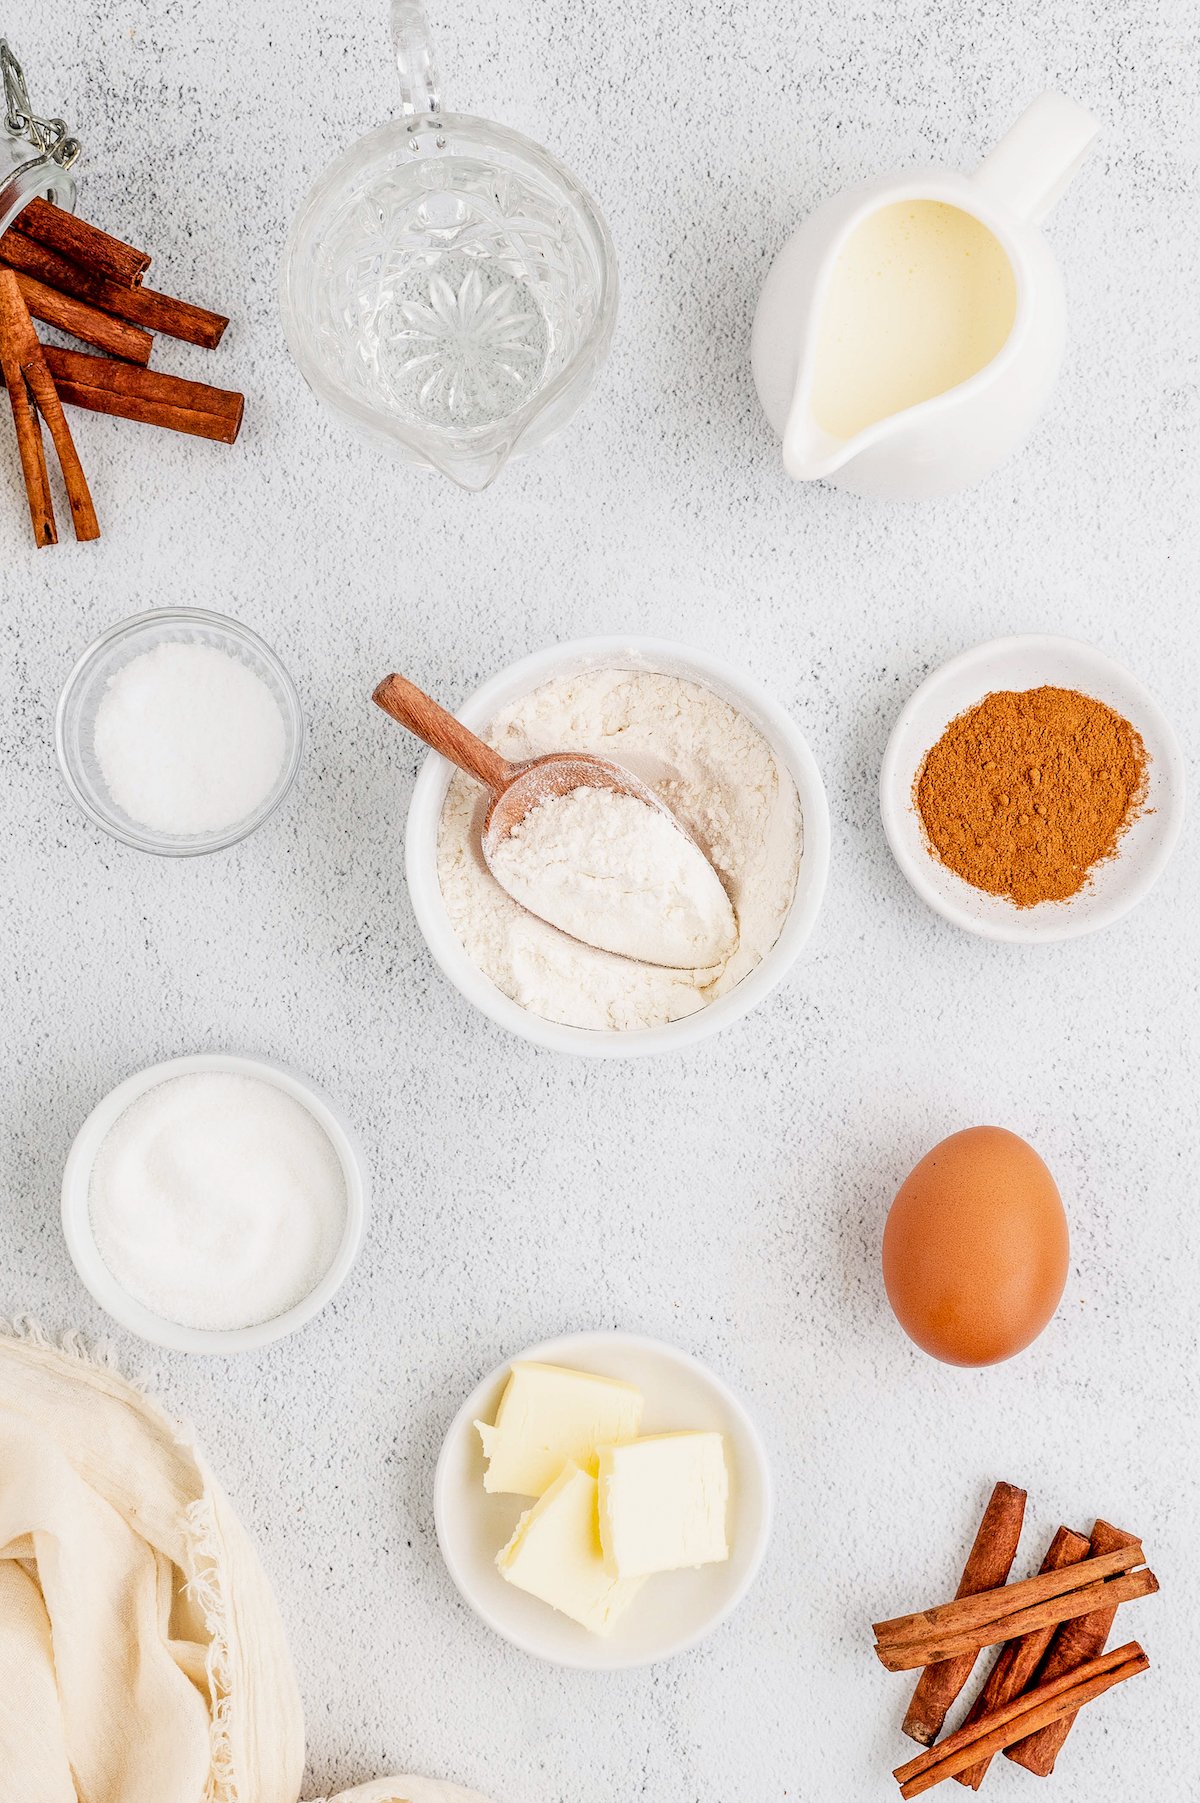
(99,1280)
(1029,662)
(675,1609)
(785,740)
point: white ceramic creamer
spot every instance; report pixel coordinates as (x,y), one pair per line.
(909,333)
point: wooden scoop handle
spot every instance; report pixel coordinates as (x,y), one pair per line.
(413,708)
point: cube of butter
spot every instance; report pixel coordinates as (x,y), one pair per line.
(662,1504)
(555,1555)
(548,1417)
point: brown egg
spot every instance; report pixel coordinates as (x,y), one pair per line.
(976,1248)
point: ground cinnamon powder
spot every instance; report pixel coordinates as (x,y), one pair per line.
(1025,793)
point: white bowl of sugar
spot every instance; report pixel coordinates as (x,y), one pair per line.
(214,1203)
(179,732)
(765,746)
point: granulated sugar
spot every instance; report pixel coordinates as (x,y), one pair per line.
(217,1201)
(189,740)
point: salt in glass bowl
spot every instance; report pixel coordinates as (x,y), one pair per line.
(76,721)
(99,1281)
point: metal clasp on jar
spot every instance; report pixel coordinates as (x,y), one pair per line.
(47,171)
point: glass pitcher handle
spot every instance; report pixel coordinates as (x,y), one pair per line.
(420,89)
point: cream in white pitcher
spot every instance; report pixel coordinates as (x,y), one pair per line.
(909,333)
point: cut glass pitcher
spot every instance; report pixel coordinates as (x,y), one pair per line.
(449,290)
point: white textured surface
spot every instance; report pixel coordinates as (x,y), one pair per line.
(731,1200)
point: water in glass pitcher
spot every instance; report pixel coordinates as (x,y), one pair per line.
(453,293)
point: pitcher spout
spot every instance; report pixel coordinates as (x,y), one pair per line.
(472,473)
(809,452)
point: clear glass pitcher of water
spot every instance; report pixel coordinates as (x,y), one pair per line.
(449,290)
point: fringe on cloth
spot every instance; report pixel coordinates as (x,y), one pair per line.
(206,1584)
(205,1580)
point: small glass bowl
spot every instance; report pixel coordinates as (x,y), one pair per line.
(76,720)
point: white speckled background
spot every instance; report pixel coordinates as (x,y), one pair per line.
(730,1200)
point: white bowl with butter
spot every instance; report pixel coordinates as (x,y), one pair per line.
(645,656)
(673,1610)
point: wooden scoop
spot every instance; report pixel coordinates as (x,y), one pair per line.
(516,788)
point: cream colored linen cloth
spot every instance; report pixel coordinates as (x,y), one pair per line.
(142,1657)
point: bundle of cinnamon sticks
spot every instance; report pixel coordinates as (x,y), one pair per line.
(1051,1629)
(59,269)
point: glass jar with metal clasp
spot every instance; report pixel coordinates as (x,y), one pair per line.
(37,155)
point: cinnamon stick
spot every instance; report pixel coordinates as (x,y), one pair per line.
(29,442)
(79,495)
(989,1605)
(106,386)
(83,243)
(1038,1708)
(1124,1589)
(82,321)
(29,382)
(1076,1641)
(140,306)
(988,1564)
(1018,1660)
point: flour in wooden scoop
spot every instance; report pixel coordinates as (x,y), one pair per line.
(612,870)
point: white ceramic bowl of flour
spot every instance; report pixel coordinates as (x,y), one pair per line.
(320,1117)
(649,655)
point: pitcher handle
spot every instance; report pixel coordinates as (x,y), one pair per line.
(1035,162)
(420,89)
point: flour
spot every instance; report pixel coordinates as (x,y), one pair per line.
(718,776)
(619,874)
